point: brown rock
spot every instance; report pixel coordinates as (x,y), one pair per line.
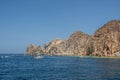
(55,47)
(104,42)
(75,45)
(34,50)
(107,40)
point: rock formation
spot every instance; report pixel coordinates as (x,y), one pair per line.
(104,42)
(34,50)
(77,43)
(107,40)
(55,47)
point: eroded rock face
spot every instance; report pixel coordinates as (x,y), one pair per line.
(75,45)
(55,47)
(106,40)
(33,50)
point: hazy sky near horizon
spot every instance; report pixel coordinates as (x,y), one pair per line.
(23,22)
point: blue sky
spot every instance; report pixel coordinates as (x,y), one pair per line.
(23,22)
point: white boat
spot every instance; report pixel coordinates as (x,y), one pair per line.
(38,57)
(6,56)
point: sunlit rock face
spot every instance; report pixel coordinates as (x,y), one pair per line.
(55,47)
(76,44)
(33,50)
(106,41)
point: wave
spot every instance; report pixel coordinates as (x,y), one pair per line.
(4,57)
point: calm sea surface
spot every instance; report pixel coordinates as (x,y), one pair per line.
(23,67)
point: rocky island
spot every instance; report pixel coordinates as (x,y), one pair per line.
(104,42)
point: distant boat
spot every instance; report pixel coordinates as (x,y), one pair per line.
(6,56)
(38,57)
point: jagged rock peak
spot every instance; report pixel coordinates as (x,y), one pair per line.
(51,47)
(56,41)
(107,39)
(77,43)
(111,26)
(53,42)
(77,34)
(33,50)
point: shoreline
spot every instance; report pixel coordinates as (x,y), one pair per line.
(109,57)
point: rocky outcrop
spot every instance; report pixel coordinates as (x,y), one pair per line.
(106,40)
(34,50)
(75,45)
(55,47)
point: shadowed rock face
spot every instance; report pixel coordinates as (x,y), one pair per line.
(106,40)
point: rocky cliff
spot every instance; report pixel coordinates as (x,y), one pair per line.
(34,50)
(77,43)
(55,47)
(104,42)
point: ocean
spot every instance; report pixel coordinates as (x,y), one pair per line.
(24,67)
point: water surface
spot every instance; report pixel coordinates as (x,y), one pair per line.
(23,67)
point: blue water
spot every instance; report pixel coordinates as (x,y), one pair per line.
(23,67)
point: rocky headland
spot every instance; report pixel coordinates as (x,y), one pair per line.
(104,42)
